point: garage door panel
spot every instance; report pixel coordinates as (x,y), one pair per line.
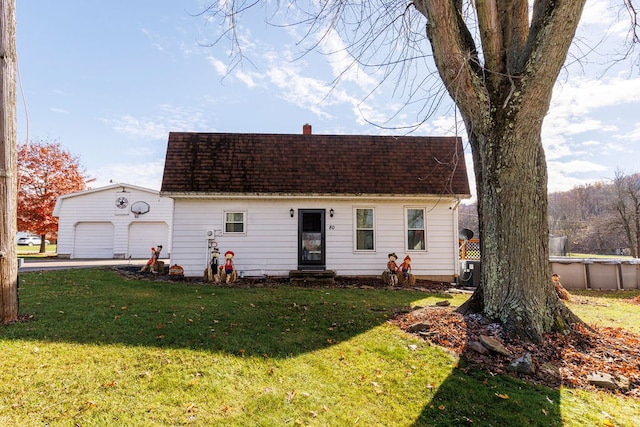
(145,235)
(93,240)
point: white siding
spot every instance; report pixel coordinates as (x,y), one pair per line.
(269,246)
(98,206)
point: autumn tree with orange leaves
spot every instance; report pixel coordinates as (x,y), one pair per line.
(45,171)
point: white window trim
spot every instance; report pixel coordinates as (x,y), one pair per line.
(406,228)
(355,229)
(244,223)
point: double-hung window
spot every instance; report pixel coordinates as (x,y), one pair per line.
(416,229)
(234,222)
(365,233)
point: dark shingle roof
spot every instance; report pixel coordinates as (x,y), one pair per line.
(297,164)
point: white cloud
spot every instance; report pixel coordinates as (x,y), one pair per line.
(590,143)
(139,128)
(581,108)
(219,67)
(596,12)
(246,78)
(169,118)
(305,92)
(576,166)
(633,135)
(143,174)
(156,40)
(342,64)
(560,174)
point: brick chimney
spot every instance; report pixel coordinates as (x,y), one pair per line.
(306,129)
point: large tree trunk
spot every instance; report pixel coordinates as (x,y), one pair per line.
(512,205)
(8,164)
(503,95)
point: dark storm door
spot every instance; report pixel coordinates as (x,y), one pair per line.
(311,247)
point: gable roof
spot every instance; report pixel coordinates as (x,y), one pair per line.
(120,186)
(306,164)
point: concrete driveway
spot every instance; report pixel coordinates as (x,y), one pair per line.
(34,264)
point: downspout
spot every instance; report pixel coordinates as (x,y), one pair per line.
(456,255)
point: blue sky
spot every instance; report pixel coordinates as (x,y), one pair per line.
(110,80)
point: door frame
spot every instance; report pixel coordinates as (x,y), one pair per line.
(304,264)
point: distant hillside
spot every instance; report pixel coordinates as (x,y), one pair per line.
(600,218)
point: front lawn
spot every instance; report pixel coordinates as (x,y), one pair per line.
(102,350)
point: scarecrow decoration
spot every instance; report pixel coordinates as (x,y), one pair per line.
(405,272)
(390,276)
(211,271)
(154,265)
(227,272)
(563,294)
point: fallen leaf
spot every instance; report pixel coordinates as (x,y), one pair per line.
(502,396)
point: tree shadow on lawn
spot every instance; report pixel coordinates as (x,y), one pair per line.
(93,306)
(475,397)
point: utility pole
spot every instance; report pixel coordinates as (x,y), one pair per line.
(8,164)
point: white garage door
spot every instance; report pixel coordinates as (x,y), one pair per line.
(93,240)
(146,235)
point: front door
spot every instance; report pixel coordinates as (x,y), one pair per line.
(311,239)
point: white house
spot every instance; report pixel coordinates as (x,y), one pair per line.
(315,202)
(116,221)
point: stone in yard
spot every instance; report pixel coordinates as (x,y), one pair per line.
(548,370)
(477,347)
(494,344)
(604,380)
(523,364)
(417,327)
(443,303)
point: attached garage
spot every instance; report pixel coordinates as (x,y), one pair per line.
(109,223)
(145,235)
(93,240)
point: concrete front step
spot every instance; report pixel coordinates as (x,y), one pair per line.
(312,277)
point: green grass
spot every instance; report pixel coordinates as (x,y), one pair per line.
(607,308)
(577,255)
(105,351)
